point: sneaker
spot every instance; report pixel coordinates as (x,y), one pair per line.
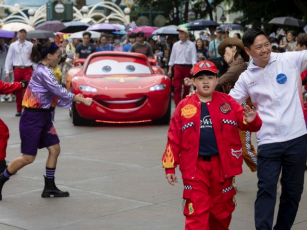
(2,99)
(10,99)
(18,114)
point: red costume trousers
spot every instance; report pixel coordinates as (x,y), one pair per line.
(180,72)
(4,136)
(209,203)
(21,74)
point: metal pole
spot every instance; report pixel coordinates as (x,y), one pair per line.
(150,15)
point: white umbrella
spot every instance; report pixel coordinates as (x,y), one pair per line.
(16,26)
(80,34)
(166,30)
(122,27)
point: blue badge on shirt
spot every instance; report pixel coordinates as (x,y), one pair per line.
(281,78)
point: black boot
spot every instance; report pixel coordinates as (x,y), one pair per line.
(51,189)
(3,179)
(3,166)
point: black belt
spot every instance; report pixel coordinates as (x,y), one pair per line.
(184,65)
(205,158)
(22,67)
(39,109)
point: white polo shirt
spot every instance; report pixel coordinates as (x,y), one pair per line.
(275,91)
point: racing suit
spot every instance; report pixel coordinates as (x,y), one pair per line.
(6,88)
(208,188)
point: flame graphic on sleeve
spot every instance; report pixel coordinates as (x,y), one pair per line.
(168,158)
(31,100)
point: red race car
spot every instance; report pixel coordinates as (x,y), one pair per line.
(125,87)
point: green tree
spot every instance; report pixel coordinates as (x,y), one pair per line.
(80,3)
(172,9)
(259,13)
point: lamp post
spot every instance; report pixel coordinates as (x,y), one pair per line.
(191,14)
(222,18)
(56,10)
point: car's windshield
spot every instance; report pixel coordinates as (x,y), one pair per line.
(107,65)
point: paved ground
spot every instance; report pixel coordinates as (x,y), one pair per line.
(115,179)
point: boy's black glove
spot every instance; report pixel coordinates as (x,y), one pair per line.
(25,84)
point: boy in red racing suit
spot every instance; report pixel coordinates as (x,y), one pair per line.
(204,140)
(6,88)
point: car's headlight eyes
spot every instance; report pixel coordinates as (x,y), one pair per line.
(106,69)
(130,68)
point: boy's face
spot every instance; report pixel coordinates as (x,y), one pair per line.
(205,84)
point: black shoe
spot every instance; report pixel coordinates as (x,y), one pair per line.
(18,114)
(3,179)
(51,189)
(3,166)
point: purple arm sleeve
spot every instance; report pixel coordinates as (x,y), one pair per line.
(65,97)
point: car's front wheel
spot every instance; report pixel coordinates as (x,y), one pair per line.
(77,120)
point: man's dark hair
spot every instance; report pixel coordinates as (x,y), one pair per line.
(301,39)
(87,33)
(132,35)
(273,40)
(250,35)
(204,72)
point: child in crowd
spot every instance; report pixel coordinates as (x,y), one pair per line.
(203,139)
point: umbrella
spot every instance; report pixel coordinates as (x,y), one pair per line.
(53,26)
(79,35)
(16,26)
(287,21)
(183,25)
(232,26)
(40,34)
(120,32)
(103,27)
(122,27)
(166,30)
(73,26)
(6,34)
(201,24)
(148,30)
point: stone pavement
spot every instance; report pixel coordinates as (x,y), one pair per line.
(115,179)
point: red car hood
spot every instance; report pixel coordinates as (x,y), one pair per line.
(123,81)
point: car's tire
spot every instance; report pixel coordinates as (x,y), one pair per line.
(77,120)
(167,116)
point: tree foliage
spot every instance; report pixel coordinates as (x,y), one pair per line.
(257,12)
(172,9)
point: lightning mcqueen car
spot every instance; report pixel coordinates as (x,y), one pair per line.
(125,87)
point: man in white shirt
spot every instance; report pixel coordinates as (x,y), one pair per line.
(18,59)
(272,80)
(183,58)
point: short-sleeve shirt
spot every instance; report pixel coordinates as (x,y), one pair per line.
(203,52)
(108,47)
(127,47)
(85,51)
(213,47)
(142,49)
(207,141)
